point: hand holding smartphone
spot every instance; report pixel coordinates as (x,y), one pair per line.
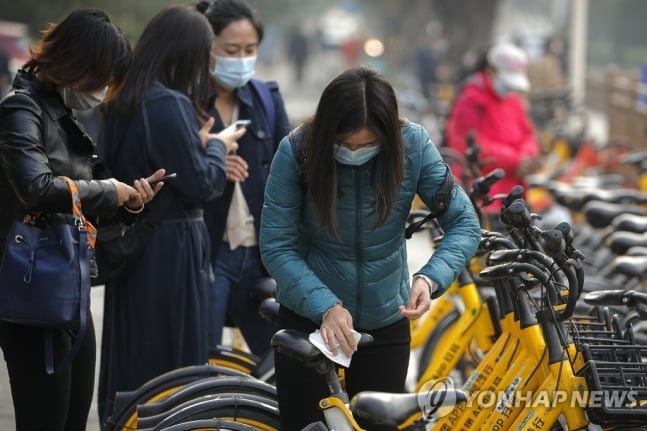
(235,126)
(164,178)
(239,124)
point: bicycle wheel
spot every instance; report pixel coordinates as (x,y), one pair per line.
(209,386)
(259,412)
(210,424)
(443,325)
(236,359)
(124,414)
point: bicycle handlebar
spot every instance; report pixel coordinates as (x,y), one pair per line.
(482,185)
(506,270)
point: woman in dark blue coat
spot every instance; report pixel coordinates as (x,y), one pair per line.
(156,315)
(233,219)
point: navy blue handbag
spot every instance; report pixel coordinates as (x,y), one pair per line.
(45,279)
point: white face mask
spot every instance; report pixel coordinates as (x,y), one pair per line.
(500,88)
(234,72)
(82,101)
(358,157)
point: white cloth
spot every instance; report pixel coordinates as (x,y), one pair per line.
(340,358)
(239,230)
(240,222)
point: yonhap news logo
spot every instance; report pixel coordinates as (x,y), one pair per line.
(437,398)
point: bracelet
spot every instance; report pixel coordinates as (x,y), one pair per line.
(137,211)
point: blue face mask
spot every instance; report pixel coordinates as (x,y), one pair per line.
(234,72)
(500,88)
(346,156)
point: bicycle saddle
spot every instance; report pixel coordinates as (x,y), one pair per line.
(269,310)
(264,287)
(629,298)
(600,214)
(632,266)
(393,409)
(620,242)
(295,344)
(630,222)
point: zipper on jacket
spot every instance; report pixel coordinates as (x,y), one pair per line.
(358,242)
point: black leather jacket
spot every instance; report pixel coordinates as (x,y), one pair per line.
(40,140)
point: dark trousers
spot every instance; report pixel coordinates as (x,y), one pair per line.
(45,402)
(236,271)
(381,366)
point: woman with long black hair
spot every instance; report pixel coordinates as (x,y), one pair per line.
(156,315)
(332,235)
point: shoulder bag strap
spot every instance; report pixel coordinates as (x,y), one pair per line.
(440,202)
(84,290)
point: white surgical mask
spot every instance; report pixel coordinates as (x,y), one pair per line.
(234,72)
(346,156)
(82,101)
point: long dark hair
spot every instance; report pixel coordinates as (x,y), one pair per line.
(174,49)
(357,98)
(221,13)
(85,50)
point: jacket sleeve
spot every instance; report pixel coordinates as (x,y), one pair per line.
(24,161)
(297,286)
(460,224)
(175,145)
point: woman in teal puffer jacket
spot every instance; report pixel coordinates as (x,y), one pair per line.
(332,235)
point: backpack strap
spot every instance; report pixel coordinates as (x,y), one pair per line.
(440,202)
(264,93)
(298,148)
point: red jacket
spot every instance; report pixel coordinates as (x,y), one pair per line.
(502,127)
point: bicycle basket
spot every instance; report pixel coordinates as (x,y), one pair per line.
(617,390)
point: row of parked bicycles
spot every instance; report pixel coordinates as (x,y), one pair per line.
(545,330)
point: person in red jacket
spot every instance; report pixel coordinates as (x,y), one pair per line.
(491,107)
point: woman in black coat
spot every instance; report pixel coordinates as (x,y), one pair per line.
(155,317)
(79,63)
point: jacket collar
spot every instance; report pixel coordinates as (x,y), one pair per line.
(46,94)
(243,93)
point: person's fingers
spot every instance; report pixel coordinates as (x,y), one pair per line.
(347,341)
(206,127)
(409,314)
(157,174)
(237,161)
(237,168)
(328,336)
(145,190)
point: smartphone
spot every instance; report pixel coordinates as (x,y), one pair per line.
(164,178)
(238,124)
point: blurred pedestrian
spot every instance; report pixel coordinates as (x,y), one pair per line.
(490,106)
(298,52)
(156,315)
(547,72)
(78,64)
(332,235)
(234,218)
